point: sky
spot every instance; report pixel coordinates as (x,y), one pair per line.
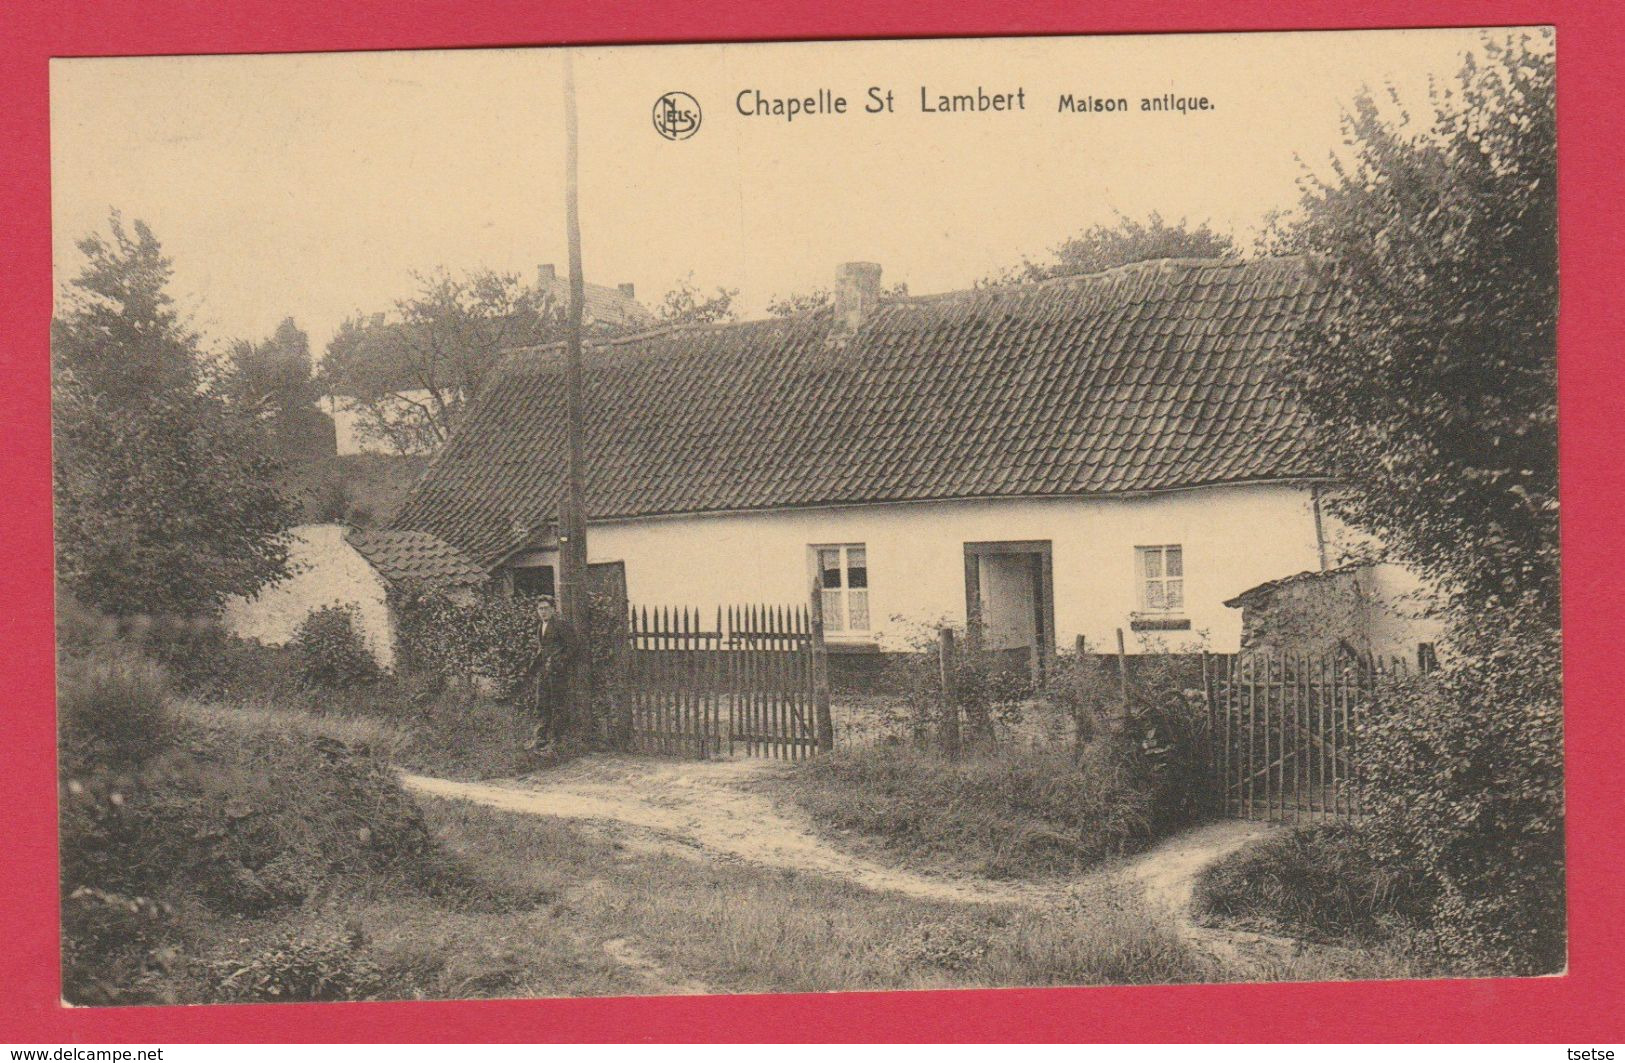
(315,185)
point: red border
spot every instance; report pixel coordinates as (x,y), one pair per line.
(1584,1005)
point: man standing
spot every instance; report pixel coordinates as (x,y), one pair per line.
(548,679)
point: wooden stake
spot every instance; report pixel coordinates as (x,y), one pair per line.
(950,691)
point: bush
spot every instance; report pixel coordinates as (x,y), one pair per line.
(1463,772)
(330,650)
(1158,738)
(1130,775)
(238,816)
(309,964)
(989,689)
(243,820)
(110,709)
(1322,882)
(204,660)
(488,640)
(461,733)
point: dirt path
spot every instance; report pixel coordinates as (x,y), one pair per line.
(702,808)
(698,802)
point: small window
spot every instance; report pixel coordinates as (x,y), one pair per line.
(843,584)
(1162,578)
(531,581)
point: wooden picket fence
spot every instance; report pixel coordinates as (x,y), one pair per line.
(753,682)
(1284,731)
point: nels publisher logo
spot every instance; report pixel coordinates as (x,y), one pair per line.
(677,116)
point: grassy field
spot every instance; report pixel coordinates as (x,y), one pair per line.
(319,879)
(735,928)
(539,899)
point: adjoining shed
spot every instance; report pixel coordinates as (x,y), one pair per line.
(332,564)
(1380,610)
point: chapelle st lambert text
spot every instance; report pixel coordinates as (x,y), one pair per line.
(753,103)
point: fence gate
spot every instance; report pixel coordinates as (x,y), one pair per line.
(754,682)
(1283,730)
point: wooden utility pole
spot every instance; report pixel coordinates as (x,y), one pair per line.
(573,596)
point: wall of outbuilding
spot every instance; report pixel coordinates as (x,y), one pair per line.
(325,570)
(1380,609)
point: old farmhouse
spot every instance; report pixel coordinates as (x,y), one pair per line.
(1048,460)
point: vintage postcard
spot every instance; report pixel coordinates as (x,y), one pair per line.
(804,517)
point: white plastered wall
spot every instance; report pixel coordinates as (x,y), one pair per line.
(326,570)
(1234,537)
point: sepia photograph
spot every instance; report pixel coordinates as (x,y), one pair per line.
(807,517)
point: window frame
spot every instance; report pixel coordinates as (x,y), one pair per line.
(514,579)
(845,631)
(1142,581)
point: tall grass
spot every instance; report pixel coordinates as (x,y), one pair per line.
(177,815)
(1003,813)
(1319,882)
(110,709)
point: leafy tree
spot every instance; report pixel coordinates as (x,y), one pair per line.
(687,304)
(801,302)
(165,500)
(1433,388)
(272,382)
(1102,247)
(410,374)
(1435,383)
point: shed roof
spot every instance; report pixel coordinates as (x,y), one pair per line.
(402,555)
(1255,594)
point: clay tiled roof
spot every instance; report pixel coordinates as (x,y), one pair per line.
(415,556)
(602,305)
(1148,377)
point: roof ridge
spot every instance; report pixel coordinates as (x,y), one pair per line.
(1139,265)
(928,297)
(669,328)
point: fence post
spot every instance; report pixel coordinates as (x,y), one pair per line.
(1212,720)
(1122,684)
(1080,716)
(820,674)
(950,691)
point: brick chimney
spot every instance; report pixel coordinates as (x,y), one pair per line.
(857,293)
(627,289)
(545,274)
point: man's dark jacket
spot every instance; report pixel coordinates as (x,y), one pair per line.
(558,650)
